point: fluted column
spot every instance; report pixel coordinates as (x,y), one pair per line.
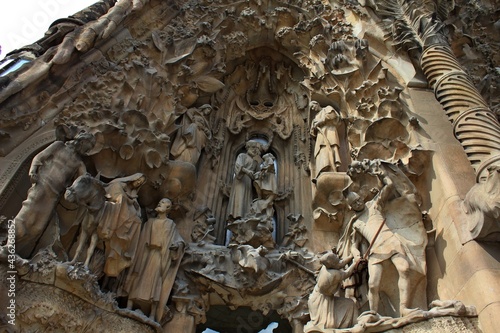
(474,124)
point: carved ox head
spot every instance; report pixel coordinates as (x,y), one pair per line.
(87,191)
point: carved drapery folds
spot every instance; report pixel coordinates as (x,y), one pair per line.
(373,118)
(250,219)
(235,143)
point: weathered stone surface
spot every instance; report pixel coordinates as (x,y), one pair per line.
(308,161)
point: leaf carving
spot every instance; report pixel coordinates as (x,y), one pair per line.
(410,23)
(208,84)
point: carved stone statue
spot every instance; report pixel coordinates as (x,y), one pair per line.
(121,230)
(256,226)
(152,274)
(89,193)
(113,215)
(326,149)
(266,186)
(193,135)
(51,171)
(245,166)
(353,288)
(328,311)
(395,233)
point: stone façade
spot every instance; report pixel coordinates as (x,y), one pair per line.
(259,120)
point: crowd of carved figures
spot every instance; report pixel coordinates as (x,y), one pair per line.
(375,206)
(205,172)
(140,260)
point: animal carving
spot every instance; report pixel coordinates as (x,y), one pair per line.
(113,216)
(88,192)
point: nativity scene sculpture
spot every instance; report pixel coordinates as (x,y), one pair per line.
(251,217)
(219,155)
(245,167)
(141,261)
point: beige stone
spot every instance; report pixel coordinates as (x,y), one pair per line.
(278,132)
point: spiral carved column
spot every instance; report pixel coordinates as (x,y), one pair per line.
(474,124)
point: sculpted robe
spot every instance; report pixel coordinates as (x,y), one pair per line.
(121,228)
(326,148)
(326,310)
(402,233)
(191,137)
(155,265)
(241,197)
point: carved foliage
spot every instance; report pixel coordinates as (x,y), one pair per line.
(482,205)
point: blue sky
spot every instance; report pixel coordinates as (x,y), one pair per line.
(23,22)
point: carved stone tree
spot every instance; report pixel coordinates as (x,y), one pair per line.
(174,166)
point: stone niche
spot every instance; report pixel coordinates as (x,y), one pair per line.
(308,166)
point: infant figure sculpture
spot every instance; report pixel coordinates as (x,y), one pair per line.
(265,186)
(251,220)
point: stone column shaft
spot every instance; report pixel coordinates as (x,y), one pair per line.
(474,124)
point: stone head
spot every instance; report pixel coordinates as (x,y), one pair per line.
(355,202)
(315,106)
(254,148)
(206,109)
(84,142)
(330,260)
(164,206)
